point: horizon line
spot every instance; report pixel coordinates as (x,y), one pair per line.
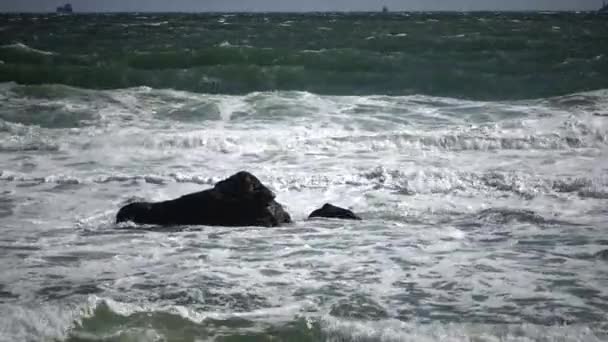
(304,12)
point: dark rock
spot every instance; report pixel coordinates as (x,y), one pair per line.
(332,211)
(240,200)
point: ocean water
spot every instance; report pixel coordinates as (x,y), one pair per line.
(474,146)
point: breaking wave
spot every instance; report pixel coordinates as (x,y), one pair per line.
(439,181)
(106,319)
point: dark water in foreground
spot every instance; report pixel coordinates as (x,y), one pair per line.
(475,147)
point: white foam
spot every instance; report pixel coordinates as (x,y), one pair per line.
(391,330)
(39,322)
(26,48)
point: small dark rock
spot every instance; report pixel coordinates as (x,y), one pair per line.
(331,211)
(240,200)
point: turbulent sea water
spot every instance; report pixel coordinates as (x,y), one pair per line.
(474,146)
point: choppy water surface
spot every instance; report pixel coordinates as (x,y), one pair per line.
(484,202)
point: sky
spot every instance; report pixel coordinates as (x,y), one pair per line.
(296,5)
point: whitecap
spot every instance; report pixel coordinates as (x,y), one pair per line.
(160,23)
(25,48)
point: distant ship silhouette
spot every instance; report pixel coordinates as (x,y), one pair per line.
(67,8)
(604,8)
(384,9)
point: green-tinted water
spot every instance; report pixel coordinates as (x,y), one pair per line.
(476,56)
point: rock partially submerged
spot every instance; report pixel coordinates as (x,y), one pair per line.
(331,211)
(240,200)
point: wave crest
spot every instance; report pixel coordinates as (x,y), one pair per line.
(432,181)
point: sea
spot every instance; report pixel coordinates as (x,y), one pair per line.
(473,145)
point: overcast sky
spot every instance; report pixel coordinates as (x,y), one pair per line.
(295,5)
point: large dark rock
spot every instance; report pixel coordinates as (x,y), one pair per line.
(332,211)
(240,200)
